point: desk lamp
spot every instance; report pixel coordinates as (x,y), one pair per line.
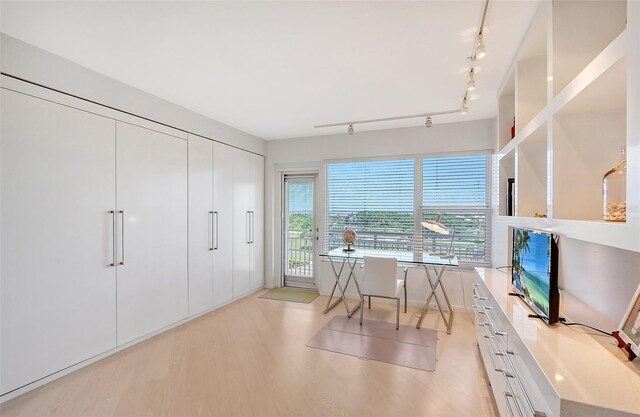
(437,226)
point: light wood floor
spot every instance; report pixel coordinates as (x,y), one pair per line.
(250,359)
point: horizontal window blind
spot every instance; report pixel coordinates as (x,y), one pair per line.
(456,187)
(374,198)
(454,181)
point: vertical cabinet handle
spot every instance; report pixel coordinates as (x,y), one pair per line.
(210,234)
(253,227)
(247,232)
(114,246)
(215,247)
(121,212)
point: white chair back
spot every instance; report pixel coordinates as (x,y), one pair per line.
(380,276)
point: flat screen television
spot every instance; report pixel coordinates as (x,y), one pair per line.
(534,271)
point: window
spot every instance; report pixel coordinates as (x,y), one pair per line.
(375,198)
(378,200)
(456,188)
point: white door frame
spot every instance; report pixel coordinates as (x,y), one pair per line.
(317,170)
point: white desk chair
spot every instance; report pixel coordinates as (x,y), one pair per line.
(380,280)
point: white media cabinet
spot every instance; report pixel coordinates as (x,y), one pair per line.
(556,371)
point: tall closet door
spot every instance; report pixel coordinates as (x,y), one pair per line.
(58,302)
(201,225)
(241,222)
(257,220)
(223,227)
(152,227)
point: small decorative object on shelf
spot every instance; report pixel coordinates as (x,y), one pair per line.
(513,128)
(511,185)
(539,215)
(614,191)
(628,334)
(348,237)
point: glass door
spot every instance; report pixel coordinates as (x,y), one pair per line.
(298,235)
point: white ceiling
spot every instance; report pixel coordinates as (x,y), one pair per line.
(276,69)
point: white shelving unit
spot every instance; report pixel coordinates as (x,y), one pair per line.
(571,121)
(573,91)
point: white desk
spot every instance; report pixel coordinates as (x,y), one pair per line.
(433,266)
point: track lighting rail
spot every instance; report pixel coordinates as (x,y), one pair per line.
(477,52)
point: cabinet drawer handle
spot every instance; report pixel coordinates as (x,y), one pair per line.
(514,374)
(217,223)
(506,399)
(114,245)
(210,234)
(510,393)
(122,236)
(494,329)
(491,355)
(253,226)
(475,313)
(247,223)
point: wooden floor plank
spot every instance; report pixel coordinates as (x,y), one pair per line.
(249,359)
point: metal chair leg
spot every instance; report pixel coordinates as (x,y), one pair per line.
(362,307)
(398,313)
(404,286)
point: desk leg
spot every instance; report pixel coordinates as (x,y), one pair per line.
(335,285)
(432,294)
(337,274)
(352,275)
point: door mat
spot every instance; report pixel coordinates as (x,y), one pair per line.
(379,341)
(287,294)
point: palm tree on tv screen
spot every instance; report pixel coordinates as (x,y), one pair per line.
(521,245)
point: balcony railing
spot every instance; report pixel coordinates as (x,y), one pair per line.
(300,253)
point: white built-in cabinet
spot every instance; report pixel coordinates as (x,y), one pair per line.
(151,228)
(248,200)
(256,247)
(201,225)
(210,227)
(112,231)
(58,285)
(223,211)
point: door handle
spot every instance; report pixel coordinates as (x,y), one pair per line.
(210,234)
(247,233)
(121,212)
(215,247)
(114,246)
(253,227)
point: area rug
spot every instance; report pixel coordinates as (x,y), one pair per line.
(288,294)
(379,341)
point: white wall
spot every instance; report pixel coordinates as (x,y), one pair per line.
(37,65)
(312,152)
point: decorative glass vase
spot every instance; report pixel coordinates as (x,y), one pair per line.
(614,191)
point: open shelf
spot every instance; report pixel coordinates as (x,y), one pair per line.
(531,69)
(581,30)
(507,170)
(532,174)
(506,111)
(588,134)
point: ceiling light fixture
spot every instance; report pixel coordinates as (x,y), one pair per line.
(478,52)
(465,104)
(428,122)
(471,82)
